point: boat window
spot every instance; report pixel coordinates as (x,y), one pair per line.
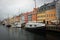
(30,25)
(35,25)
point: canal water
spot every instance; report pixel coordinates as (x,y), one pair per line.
(52,35)
(22,34)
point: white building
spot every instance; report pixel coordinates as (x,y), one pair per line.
(58,10)
(22,19)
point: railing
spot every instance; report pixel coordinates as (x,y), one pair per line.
(53,27)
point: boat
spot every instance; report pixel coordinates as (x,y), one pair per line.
(17,25)
(8,25)
(34,26)
(3,24)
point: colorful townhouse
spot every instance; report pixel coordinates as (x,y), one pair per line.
(24,18)
(51,13)
(45,14)
(34,15)
(41,15)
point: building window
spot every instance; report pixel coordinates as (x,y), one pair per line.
(47,15)
(51,15)
(54,15)
(22,18)
(30,25)
(30,17)
(48,7)
(53,6)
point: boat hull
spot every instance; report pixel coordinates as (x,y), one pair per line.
(8,25)
(36,30)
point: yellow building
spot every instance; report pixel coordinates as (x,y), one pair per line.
(17,19)
(41,17)
(41,14)
(11,20)
(14,19)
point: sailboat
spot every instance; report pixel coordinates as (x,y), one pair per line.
(8,23)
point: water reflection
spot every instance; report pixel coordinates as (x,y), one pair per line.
(52,35)
(21,34)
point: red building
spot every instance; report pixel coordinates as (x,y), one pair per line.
(24,17)
(29,16)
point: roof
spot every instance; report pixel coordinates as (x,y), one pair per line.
(47,6)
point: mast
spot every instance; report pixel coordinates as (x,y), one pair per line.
(8,18)
(35,3)
(35,9)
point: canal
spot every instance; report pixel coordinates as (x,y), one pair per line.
(22,34)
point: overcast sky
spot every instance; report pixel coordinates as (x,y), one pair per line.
(11,7)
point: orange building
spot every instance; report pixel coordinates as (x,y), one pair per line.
(51,13)
(34,15)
